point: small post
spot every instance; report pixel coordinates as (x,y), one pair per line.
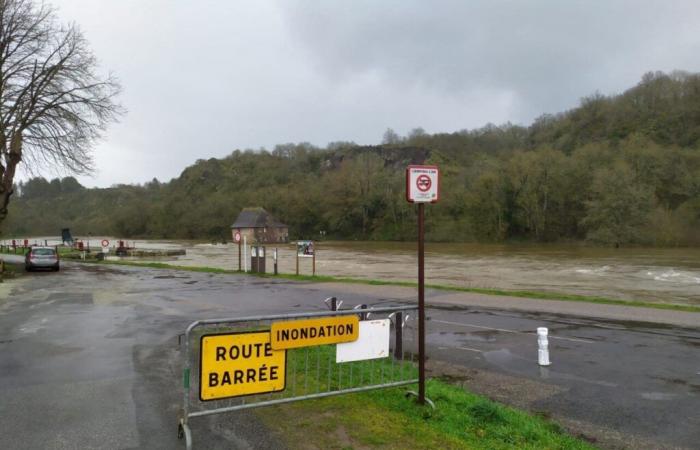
(398,345)
(314,262)
(256,252)
(245,254)
(542,347)
(275,256)
(334,304)
(239,254)
(297,262)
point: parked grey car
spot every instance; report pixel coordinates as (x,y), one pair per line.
(41,258)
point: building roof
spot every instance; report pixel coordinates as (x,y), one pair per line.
(256,218)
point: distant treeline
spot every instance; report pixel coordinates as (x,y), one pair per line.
(616,170)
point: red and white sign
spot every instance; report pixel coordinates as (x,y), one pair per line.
(237,236)
(422,184)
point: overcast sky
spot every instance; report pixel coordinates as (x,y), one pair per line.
(203,78)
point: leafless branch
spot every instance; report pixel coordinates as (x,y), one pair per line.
(53,105)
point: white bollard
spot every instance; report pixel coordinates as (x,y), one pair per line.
(245,255)
(543,347)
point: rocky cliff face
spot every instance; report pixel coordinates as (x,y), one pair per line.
(394,157)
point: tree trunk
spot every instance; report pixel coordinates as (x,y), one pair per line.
(7,174)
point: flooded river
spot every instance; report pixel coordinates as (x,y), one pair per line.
(651,274)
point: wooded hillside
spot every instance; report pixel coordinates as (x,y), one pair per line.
(615,170)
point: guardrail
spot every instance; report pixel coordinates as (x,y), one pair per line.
(309,372)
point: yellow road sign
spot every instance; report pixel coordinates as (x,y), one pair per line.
(233,365)
(310,332)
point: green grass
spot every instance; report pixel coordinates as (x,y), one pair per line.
(387,418)
(11,271)
(9,251)
(156,265)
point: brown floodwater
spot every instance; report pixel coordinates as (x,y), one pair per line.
(652,274)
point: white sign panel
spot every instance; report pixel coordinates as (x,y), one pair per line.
(422,184)
(373,342)
(305,249)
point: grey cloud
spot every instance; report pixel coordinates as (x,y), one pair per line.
(204,78)
(548,52)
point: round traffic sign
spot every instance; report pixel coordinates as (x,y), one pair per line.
(423,183)
(105,243)
(237,236)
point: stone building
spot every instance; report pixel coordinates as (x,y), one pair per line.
(259,226)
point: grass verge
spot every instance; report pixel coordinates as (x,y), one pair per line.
(501,292)
(11,271)
(388,419)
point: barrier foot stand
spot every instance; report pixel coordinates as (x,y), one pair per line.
(183,430)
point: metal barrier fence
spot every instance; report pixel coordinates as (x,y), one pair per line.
(311,372)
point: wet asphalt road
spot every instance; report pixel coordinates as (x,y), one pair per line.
(89,359)
(633,378)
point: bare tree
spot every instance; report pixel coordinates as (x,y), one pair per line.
(53,105)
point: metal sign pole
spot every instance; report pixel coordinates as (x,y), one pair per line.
(422,186)
(421,303)
(239,254)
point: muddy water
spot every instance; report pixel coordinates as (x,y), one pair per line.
(651,274)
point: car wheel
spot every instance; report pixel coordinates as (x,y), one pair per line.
(55,269)
(28,268)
